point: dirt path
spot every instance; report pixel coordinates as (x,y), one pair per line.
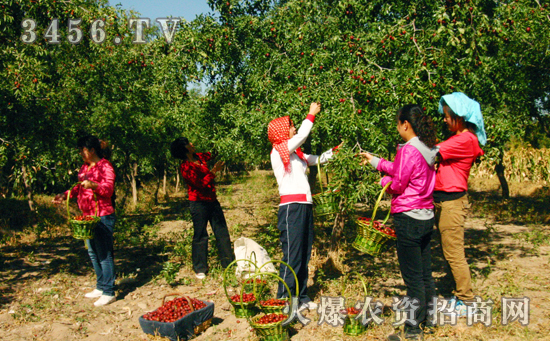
(43,281)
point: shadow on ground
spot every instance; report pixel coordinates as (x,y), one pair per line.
(483,246)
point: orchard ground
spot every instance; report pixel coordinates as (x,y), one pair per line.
(45,272)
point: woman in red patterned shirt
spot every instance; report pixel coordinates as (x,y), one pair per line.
(97,179)
(203,204)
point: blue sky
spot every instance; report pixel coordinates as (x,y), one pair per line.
(187,9)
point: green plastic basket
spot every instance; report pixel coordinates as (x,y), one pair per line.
(352,325)
(261,287)
(326,205)
(369,240)
(83,229)
(244,310)
(269,332)
(277,309)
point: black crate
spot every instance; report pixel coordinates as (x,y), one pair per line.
(181,329)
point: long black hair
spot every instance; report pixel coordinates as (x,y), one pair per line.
(100,147)
(178,148)
(421,123)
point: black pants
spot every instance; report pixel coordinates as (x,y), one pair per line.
(203,212)
(415,261)
(296,236)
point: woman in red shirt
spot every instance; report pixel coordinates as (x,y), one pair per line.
(203,205)
(97,177)
(457,154)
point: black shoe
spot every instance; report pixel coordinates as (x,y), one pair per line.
(428,327)
(394,337)
(416,335)
(408,335)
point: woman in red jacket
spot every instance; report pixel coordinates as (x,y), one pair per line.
(97,176)
(203,205)
(457,154)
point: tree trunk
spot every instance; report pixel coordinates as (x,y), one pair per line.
(312,179)
(177,181)
(164,183)
(499,169)
(158,188)
(28,188)
(133,179)
(337,228)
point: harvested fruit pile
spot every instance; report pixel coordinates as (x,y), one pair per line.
(271,318)
(84,217)
(380,227)
(246,298)
(353,311)
(174,310)
(274,302)
(257,280)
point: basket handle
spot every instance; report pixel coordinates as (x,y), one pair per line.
(290,268)
(69,197)
(378,203)
(177,294)
(366,287)
(253,253)
(229,266)
(261,274)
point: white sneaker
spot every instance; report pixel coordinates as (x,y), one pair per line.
(200,275)
(104,300)
(311,306)
(94,294)
(457,306)
(449,302)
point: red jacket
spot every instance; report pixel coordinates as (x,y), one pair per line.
(104,174)
(199,179)
(458,153)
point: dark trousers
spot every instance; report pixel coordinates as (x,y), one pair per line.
(203,212)
(100,250)
(415,261)
(296,235)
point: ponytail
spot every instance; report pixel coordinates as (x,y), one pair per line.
(421,123)
(100,147)
(178,148)
(104,150)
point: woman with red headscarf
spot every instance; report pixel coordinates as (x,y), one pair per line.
(295,217)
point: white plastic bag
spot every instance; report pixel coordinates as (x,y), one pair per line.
(246,248)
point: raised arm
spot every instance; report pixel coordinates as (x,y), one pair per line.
(302,134)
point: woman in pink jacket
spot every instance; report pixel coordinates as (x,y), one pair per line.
(412,177)
(97,176)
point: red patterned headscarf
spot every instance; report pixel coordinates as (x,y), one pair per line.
(277,132)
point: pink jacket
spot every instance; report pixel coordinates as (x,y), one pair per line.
(104,174)
(412,175)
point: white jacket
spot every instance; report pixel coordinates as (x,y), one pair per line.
(293,186)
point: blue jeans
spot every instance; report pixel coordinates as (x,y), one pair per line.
(415,262)
(100,250)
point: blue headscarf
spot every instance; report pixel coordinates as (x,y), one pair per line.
(466,107)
